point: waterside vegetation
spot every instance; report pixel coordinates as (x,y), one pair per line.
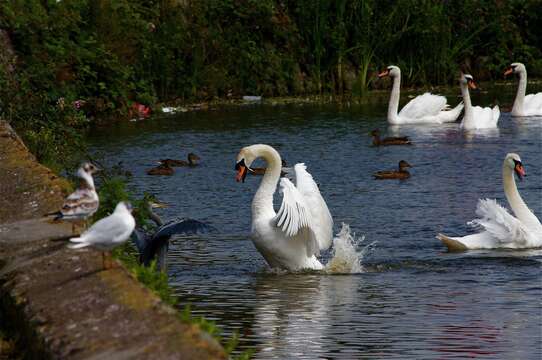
(112,189)
(75,61)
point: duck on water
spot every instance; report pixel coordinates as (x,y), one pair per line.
(402,173)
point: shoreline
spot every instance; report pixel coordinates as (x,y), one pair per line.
(60,303)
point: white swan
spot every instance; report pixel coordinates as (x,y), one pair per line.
(476,117)
(423,109)
(530,105)
(292,238)
(500,228)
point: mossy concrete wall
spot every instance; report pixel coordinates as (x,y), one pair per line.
(60,302)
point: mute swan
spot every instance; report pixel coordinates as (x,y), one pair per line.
(500,228)
(402,173)
(396,140)
(476,117)
(530,105)
(109,232)
(192,161)
(423,109)
(292,238)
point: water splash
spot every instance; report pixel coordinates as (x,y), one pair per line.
(345,258)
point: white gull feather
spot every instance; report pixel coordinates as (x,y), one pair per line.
(108,232)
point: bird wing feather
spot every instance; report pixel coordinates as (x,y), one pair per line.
(423,105)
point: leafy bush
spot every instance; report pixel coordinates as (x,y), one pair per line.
(113,53)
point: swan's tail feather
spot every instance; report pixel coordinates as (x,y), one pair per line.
(451,244)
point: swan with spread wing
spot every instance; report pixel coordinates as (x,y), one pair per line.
(423,109)
(293,237)
(500,229)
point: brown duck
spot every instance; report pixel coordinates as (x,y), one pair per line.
(192,161)
(400,174)
(162,169)
(377,141)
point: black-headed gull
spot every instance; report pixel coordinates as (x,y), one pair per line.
(109,232)
(84,201)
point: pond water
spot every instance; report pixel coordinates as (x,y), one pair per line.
(413,299)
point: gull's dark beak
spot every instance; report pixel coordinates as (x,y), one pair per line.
(520,170)
(508,71)
(242,171)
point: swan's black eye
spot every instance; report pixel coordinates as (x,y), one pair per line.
(239,164)
(517,162)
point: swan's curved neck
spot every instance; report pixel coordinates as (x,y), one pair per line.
(517,109)
(393,106)
(520,209)
(466,100)
(262,204)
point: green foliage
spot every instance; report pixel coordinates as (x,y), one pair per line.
(110,191)
(149,276)
(113,53)
(212,329)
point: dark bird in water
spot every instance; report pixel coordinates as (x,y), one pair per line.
(155,244)
(192,161)
(162,169)
(398,140)
(261,170)
(395,174)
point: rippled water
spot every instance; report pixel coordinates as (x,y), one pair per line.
(413,299)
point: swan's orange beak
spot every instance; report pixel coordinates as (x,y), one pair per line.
(472,84)
(384,73)
(520,170)
(508,71)
(242,171)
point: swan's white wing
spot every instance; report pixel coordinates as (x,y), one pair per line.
(294,217)
(486,117)
(321,220)
(502,226)
(532,104)
(423,106)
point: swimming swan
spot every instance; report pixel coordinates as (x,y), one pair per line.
(500,228)
(423,109)
(530,105)
(476,117)
(292,238)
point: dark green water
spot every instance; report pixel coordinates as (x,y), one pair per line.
(413,300)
